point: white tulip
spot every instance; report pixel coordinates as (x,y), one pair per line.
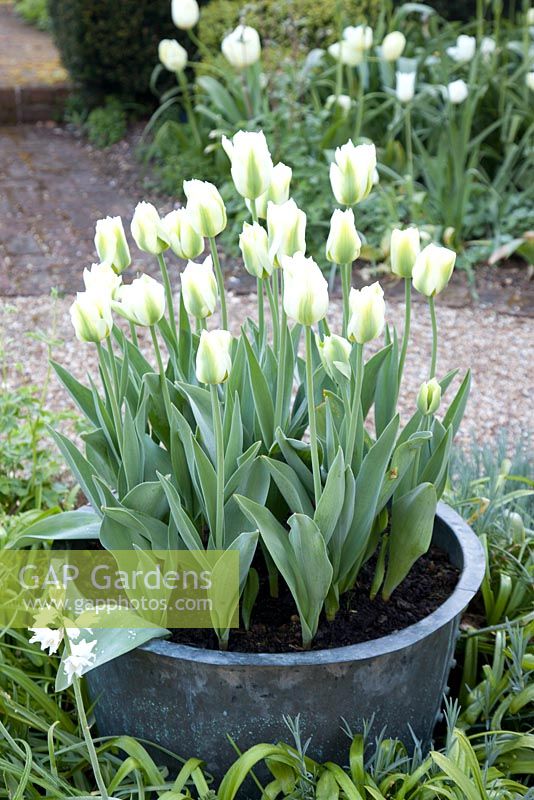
(242,47)
(172,55)
(305,289)
(278,191)
(393,46)
(141,302)
(433,269)
(102,279)
(80,658)
(334,352)
(405,86)
(343,101)
(205,208)
(286,226)
(404,249)
(185,13)
(359,36)
(487,47)
(254,246)
(464,49)
(343,245)
(530,16)
(252,165)
(185,242)
(529,80)
(48,638)
(91,316)
(351,174)
(429,397)
(214,362)
(457,92)
(367,313)
(346,53)
(199,289)
(147,229)
(111,244)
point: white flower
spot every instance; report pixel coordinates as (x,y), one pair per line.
(185,13)
(464,49)
(91,316)
(359,36)
(393,46)
(433,269)
(405,87)
(111,244)
(404,249)
(429,397)
(530,16)
(147,229)
(101,279)
(172,55)
(457,92)
(184,240)
(81,657)
(367,313)
(242,47)
(214,362)
(305,289)
(343,101)
(286,226)
(346,53)
(205,208)
(254,246)
(141,302)
(529,80)
(278,191)
(252,165)
(48,638)
(334,352)
(487,47)
(199,289)
(343,245)
(351,174)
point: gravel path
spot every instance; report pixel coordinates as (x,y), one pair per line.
(499,348)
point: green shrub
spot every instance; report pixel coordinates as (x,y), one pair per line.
(106,124)
(34,12)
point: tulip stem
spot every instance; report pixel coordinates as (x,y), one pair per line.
(409,153)
(432,307)
(355,412)
(406,333)
(114,371)
(184,86)
(261,310)
(108,386)
(86,731)
(219,456)
(274,310)
(311,416)
(345,270)
(220,282)
(162,375)
(133,334)
(168,292)
(280,383)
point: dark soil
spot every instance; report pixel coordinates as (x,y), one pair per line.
(275,626)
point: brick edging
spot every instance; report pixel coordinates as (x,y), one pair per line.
(21,104)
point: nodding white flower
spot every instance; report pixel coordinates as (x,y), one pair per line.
(342,101)
(457,92)
(343,245)
(205,208)
(367,313)
(147,229)
(214,362)
(185,13)
(47,638)
(530,16)
(91,316)
(405,86)
(359,36)
(334,352)
(351,174)
(393,46)
(346,53)
(252,165)
(80,658)
(433,269)
(185,242)
(464,49)
(199,289)
(254,246)
(404,249)
(305,289)
(101,279)
(429,397)
(111,244)
(242,47)
(487,47)
(278,191)
(172,55)
(529,80)
(141,302)
(286,226)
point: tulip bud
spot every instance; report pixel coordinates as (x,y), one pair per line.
(205,208)
(286,225)
(405,86)
(199,289)
(343,245)
(335,355)
(254,246)
(184,240)
(351,176)
(342,101)
(91,316)
(305,289)
(102,280)
(252,165)
(429,397)
(457,92)
(463,50)
(111,244)
(214,362)
(172,55)
(278,191)
(433,269)
(242,47)
(367,313)
(529,80)
(393,46)
(359,36)
(345,52)
(147,229)
(530,16)
(141,302)
(404,249)
(487,47)
(185,13)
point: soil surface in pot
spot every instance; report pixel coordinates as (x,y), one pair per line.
(275,626)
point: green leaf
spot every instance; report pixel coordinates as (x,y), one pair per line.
(189,534)
(262,395)
(371,371)
(331,502)
(289,486)
(200,403)
(82,469)
(82,395)
(456,410)
(132,453)
(69,525)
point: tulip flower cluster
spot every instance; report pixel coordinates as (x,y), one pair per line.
(194,444)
